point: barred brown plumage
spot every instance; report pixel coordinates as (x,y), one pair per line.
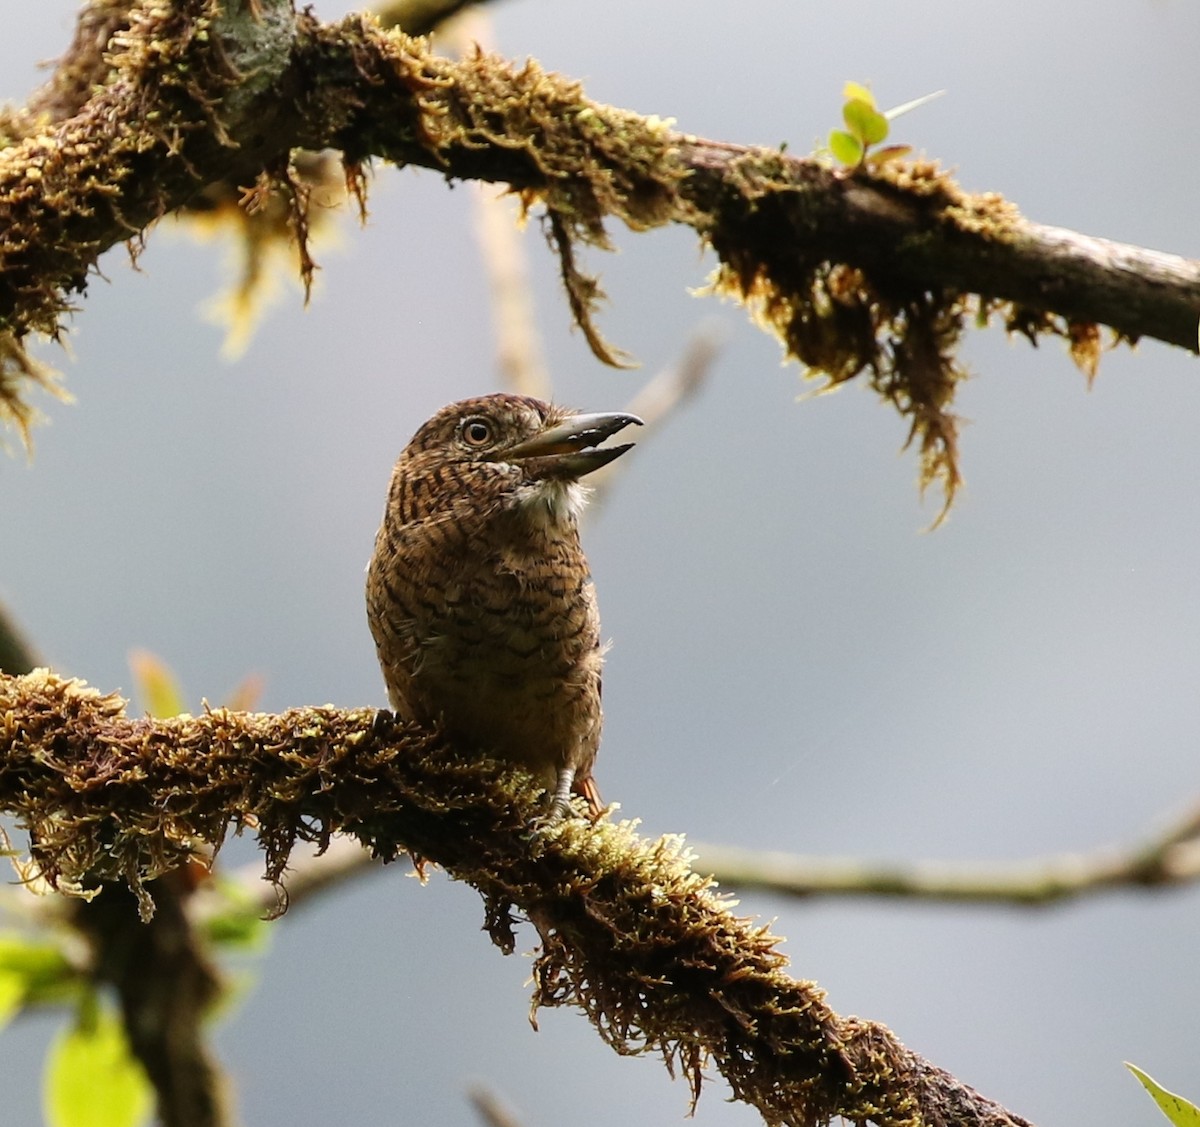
(478,592)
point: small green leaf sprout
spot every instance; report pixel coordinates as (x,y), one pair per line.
(867,126)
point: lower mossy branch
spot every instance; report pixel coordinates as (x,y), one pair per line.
(630,934)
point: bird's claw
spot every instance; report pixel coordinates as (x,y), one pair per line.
(558,808)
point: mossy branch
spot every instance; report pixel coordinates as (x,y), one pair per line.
(629,933)
(856,272)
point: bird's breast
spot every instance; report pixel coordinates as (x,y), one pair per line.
(494,633)
(514,668)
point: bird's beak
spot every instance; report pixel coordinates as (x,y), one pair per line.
(564,450)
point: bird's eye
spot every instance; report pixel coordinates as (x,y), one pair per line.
(477,432)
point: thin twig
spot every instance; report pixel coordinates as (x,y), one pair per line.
(682,381)
(663,395)
(420,17)
(1165,860)
(520,355)
(307,877)
(491,1108)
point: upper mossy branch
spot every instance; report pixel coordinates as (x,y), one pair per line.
(629,932)
(857,271)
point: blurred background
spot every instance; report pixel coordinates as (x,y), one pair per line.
(797,665)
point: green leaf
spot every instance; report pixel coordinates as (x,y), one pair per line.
(237,928)
(856,92)
(156,685)
(1181,1112)
(240,926)
(91,1079)
(12,995)
(41,969)
(238,922)
(865,121)
(846,148)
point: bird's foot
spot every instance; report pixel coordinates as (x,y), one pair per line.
(383,723)
(560,808)
(560,801)
(559,805)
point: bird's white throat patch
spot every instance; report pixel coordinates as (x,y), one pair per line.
(553,504)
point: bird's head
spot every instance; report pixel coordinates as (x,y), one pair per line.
(527,450)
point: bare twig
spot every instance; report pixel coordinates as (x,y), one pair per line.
(680,382)
(629,933)
(520,356)
(491,1108)
(663,395)
(1166,859)
(420,17)
(519,353)
(301,885)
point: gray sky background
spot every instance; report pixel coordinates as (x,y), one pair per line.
(796,665)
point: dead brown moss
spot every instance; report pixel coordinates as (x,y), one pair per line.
(840,323)
(920,382)
(1083,338)
(988,213)
(581,162)
(19,371)
(584,294)
(630,934)
(1083,342)
(272,224)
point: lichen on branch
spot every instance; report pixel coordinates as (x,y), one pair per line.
(629,933)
